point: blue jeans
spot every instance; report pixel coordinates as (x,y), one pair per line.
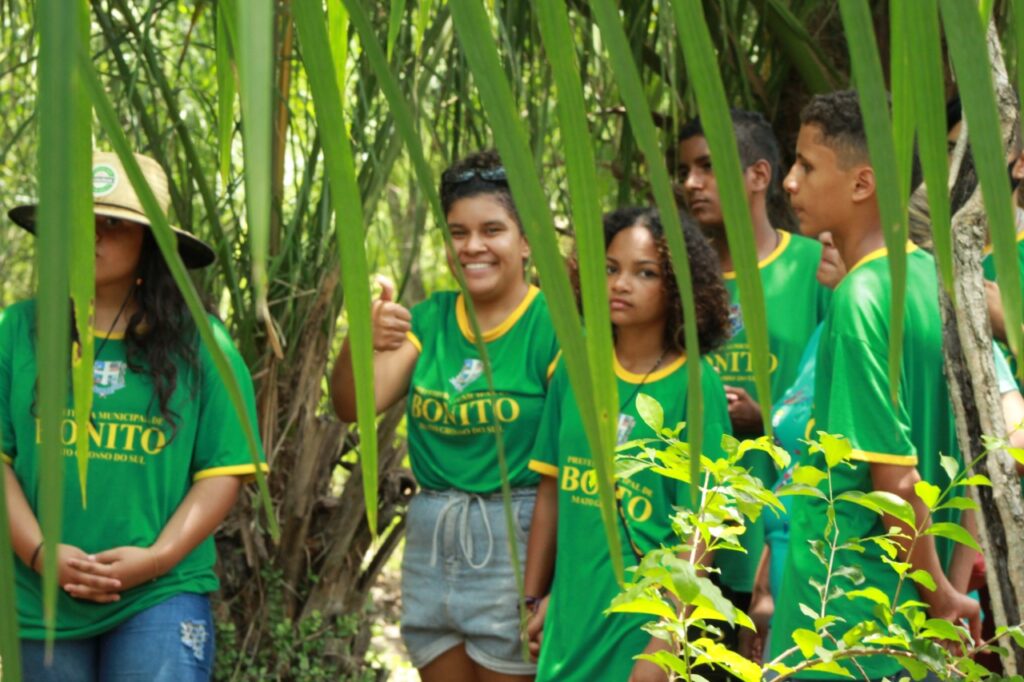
(169,642)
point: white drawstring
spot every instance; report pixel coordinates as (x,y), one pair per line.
(465,534)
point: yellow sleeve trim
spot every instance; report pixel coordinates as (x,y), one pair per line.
(883,458)
(497,332)
(543,468)
(554,365)
(784,239)
(237,470)
(414,341)
(5,459)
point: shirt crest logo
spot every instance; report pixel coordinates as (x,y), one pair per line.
(471,370)
(735,319)
(626,424)
(108,377)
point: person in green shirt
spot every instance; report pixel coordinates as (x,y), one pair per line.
(832,188)
(167,456)
(794,301)
(460,618)
(576,640)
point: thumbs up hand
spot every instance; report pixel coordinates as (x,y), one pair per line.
(391,320)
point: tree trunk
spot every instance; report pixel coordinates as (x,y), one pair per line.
(970,372)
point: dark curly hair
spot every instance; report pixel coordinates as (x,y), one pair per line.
(837,115)
(755,140)
(710,296)
(461,182)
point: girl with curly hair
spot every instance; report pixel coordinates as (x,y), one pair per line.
(167,459)
(576,640)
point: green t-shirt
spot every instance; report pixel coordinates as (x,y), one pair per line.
(795,303)
(138,473)
(580,642)
(852,399)
(989,267)
(451,418)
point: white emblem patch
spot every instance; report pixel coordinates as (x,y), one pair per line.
(626,424)
(471,371)
(108,377)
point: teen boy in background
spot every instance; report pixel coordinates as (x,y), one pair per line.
(794,300)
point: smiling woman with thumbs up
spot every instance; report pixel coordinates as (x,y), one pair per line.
(460,616)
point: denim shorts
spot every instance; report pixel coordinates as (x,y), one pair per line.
(458,586)
(169,642)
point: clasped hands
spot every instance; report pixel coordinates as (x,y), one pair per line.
(102,577)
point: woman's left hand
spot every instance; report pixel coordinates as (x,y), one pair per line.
(131,565)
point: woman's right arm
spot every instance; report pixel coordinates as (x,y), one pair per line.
(394,358)
(26,536)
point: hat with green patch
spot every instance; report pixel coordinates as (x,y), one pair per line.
(114,197)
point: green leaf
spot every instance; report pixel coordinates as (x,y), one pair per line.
(808,475)
(968,50)
(943,629)
(958,503)
(706,81)
(830,667)
(807,640)
(167,242)
(925,62)
(885,502)
(255,70)
(650,411)
(473,29)
(950,465)
(976,479)
(928,493)
(871,594)
(226,13)
(651,606)
(923,578)
(953,532)
(65,208)
(394,24)
(837,449)
(638,113)
(311,25)
(870,85)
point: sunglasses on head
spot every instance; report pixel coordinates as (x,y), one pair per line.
(486,174)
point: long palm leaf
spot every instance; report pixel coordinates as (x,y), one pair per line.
(311,25)
(474,31)
(167,243)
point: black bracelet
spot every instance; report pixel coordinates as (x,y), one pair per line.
(531,603)
(35,555)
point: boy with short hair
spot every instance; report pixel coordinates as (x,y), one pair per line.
(794,300)
(832,188)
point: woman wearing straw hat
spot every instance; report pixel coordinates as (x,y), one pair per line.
(167,459)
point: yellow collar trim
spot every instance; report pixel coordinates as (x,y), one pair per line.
(497,332)
(784,239)
(879,253)
(113,336)
(629,377)
(987,251)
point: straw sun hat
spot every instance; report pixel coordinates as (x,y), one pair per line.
(114,197)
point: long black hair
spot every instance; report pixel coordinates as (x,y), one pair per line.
(161,340)
(710,295)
